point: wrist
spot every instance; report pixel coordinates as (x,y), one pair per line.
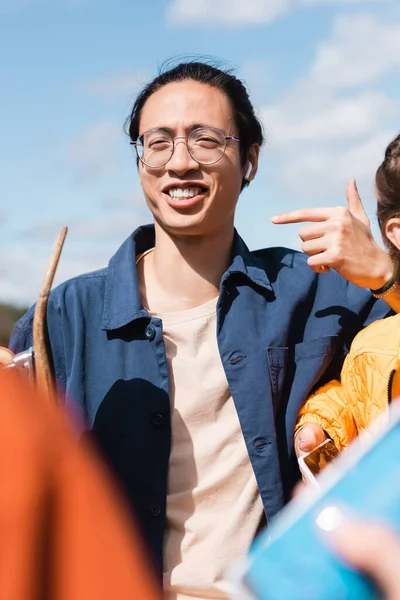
(384,276)
(389,287)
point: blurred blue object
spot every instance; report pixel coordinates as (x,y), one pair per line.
(291,561)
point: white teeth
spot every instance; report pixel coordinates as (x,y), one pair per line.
(183,192)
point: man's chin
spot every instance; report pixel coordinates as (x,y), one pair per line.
(185,225)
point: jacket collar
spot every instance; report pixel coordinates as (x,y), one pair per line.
(244,262)
(122,302)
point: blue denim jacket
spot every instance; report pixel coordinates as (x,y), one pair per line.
(281,329)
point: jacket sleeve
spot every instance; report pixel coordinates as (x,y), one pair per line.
(22,339)
(331,408)
(21,336)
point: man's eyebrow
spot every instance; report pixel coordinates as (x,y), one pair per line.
(172,131)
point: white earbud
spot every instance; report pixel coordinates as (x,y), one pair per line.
(249,170)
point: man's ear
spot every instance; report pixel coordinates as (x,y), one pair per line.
(392,230)
(251,165)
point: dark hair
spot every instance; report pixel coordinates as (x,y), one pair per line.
(387,183)
(249,127)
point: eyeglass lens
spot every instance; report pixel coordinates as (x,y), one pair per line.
(206,146)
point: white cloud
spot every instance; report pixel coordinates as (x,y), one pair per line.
(259,76)
(20,277)
(328,120)
(94,152)
(91,240)
(91,143)
(11,7)
(22,272)
(242,13)
(345,2)
(96,230)
(128,201)
(323,174)
(325,132)
(89,245)
(124,84)
(361,50)
(233,13)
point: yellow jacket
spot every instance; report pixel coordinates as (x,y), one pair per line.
(370,379)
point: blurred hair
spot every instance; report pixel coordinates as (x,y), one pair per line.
(387,183)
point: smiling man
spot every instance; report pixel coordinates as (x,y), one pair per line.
(190,355)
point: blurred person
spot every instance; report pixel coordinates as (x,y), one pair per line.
(370,378)
(191,356)
(372,549)
(65,533)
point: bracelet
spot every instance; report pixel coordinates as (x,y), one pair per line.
(385,289)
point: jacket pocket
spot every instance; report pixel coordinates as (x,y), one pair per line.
(302,364)
(278,357)
(323,346)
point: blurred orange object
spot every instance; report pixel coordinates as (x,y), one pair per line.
(65,533)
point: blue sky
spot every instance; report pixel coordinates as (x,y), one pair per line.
(323,74)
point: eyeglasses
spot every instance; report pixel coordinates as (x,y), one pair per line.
(206,145)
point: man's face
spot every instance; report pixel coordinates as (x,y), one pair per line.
(179,108)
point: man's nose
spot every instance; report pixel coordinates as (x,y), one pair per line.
(181,161)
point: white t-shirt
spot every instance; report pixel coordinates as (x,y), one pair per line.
(213,505)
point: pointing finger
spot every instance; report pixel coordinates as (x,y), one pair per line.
(303,215)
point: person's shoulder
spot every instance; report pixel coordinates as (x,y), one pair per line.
(277,257)
(83,288)
(290,268)
(89,280)
(381,337)
(85,285)
(280,256)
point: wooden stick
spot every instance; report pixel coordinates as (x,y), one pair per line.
(44,376)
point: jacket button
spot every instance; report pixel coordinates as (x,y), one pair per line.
(154,509)
(236,357)
(260,443)
(157,419)
(150,333)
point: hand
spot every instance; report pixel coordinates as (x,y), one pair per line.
(341,238)
(6,356)
(308,437)
(372,549)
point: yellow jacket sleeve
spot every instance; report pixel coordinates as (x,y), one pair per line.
(370,377)
(331,408)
